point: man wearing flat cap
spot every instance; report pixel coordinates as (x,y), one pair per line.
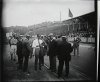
(52,53)
(64,49)
(26,53)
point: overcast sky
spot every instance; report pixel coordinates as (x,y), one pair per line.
(29,12)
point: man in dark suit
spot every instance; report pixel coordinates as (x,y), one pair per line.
(26,52)
(52,54)
(63,53)
(19,52)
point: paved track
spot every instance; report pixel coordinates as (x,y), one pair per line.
(76,71)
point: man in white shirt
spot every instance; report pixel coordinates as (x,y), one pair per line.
(36,43)
(36,51)
(13,48)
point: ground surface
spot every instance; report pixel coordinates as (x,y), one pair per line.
(81,68)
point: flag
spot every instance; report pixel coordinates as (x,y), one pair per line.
(70,13)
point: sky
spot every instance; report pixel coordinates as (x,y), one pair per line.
(30,12)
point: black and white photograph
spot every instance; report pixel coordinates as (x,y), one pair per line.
(49,40)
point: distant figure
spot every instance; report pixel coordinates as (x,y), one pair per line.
(63,53)
(13,49)
(52,53)
(76,45)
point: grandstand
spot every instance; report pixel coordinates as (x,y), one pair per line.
(84,25)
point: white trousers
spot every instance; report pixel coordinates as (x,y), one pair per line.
(13,50)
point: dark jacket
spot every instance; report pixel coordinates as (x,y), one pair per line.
(63,50)
(76,42)
(19,47)
(52,48)
(26,49)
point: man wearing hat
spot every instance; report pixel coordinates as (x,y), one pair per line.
(52,53)
(37,51)
(19,52)
(26,52)
(63,53)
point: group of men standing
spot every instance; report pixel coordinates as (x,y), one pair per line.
(54,47)
(20,49)
(60,48)
(24,50)
(39,47)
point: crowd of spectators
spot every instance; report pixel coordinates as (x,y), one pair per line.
(82,34)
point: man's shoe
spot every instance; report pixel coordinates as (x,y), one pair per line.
(49,69)
(17,62)
(66,75)
(42,65)
(39,68)
(53,71)
(14,59)
(59,76)
(35,69)
(19,68)
(28,73)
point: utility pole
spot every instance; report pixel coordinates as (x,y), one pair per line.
(60,16)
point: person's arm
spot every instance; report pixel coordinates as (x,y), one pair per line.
(46,47)
(45,44)
(35,43)
(33,53)
(10,42)
(70,48)
(29,47)
(33,47)
(80,39)
(16,41)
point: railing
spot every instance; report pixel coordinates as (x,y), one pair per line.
(84,39)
